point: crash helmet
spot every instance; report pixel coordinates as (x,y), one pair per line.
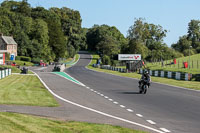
(146,72)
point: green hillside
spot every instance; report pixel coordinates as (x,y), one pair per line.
(193,65)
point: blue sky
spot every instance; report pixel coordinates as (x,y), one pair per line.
(172,15)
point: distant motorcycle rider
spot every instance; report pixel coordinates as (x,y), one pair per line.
(145,78)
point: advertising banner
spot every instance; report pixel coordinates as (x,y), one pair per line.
(129,57)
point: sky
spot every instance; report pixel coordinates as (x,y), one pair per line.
(172,15)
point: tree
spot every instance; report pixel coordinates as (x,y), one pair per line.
(6,25)
(24,8)
(97,33)
(194,33)
(108,46)
(136,47)
(143,36)
(41,33)
(71,26)
(182,44)
(56,39)
(40,40)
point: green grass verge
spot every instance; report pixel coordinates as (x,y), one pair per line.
(186,84)
(178,67)
(19,123)
(21,63)
(67,60)
(25,90)
(70,61)
(76,57)
(14,69)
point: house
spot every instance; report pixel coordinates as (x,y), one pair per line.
(8,43)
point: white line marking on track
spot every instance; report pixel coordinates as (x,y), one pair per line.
(106,97)
(115,102)
(98,112)
(151,122)
(122,106)
(165,130)
(129,110)
(102,95)
(110,99)
(88,87)
(91,89)
(139,115)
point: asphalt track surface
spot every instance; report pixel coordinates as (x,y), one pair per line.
(175,109)
(163,108)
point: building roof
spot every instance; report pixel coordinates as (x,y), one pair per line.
(9,40)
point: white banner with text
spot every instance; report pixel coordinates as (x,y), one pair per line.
(129,56)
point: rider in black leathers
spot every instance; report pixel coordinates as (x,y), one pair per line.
(145,78)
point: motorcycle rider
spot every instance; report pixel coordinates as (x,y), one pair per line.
(145,78)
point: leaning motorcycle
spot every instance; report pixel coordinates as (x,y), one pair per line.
(143,88)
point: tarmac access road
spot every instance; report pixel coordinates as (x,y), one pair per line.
(167,108)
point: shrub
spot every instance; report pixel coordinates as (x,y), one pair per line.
(36,60)
(186,52)
(114,62)
(7,55)
(106,60)
(24,58)
(17,58)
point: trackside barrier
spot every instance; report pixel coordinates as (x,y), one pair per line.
(108,67)
(4,72)
(168,74)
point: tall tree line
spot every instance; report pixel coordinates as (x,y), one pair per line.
(143,38)
(40,33)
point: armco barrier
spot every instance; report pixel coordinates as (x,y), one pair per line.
(108,67)
(5,72)
(168,74)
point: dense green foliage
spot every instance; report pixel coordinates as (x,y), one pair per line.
(107,41)
(40,33)
(147,39)
(23,58)
(189,44)
(143,38)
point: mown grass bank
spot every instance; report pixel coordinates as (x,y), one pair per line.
(18,123)
(186,84)
(25,90)
(15,69)
(193,65)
